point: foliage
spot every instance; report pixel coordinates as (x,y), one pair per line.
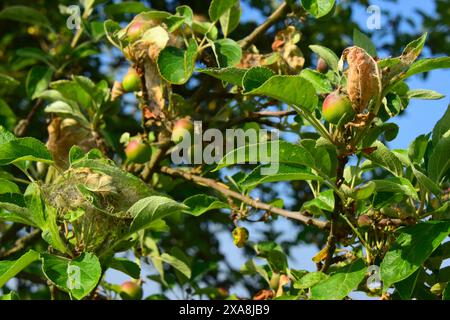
(75,207)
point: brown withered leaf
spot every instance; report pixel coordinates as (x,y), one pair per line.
(154,87)
(362,77)
(65,133)
(285,44)
(264,295)
(250,59)
(117,90)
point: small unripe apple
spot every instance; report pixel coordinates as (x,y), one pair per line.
(131,82)
(322,66)
(138,151)
(275,281)
(240,236)
(181,129)
(131,291)
(364,221)
(335,107)
(136,28)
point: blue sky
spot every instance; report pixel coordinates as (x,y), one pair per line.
(419,118)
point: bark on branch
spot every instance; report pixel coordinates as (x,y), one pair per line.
(299,216)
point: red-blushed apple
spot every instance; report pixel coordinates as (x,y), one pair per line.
(132,81)
(322,66)
(364,221)
(181,129)
(137,27)
(138,151)
(131,290)
(337,106)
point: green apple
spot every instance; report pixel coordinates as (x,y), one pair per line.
(131,291)
(138,151)
(337,106)
(132,81)
(182,128)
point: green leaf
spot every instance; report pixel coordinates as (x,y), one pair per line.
(412,247)
(320,81)
(67,110)
(417,148)
(10,268)
(228,52)
(176,65)
(176,263)
(35,53)
(363,41)
(78,277)
(129,7)
(7,84)
(6,136)
(364,191)
(441,127)
(389,129)
(413,49)
(323,201)
(219,7)
(426,182)
(439,160)
(310,279)
(396,185)
(289,89)
(7,186)
(231,74)
(385,158)
(25,14)
(230,19)
(21,149)
(187,13)
(7,117)
(326,54)
(275,152)
(38,80)
(250,267)
(318,8)
(112,29)
(126,266)
(407,286)
(149,209)
(284,173)
(44,216)
(340,283)
(428,64)
(424,94)
(16,211)
(201,203)
(254,77)
(12,295)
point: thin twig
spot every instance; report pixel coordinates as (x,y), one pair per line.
(23,124)
(338,208)
(22,243)
(299,216)
(271,20)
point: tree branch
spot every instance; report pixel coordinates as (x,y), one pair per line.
(271,20)
(23,124)
(338,208)
(299,216)
(22,243)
